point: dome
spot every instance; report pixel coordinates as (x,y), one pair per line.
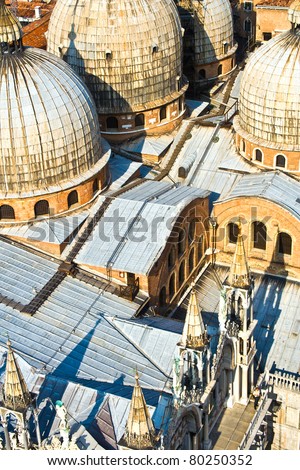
(269,103)
(129,52)
(213,30)
(10,27)
(49,132)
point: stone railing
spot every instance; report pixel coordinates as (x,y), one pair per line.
(255,422)
(284,380)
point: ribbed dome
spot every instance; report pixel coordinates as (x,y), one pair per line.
(213,30)
(269,104)
(49,130)
(128,51)
(10,27)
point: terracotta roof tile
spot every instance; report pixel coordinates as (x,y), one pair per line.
(275,3)
(34,33)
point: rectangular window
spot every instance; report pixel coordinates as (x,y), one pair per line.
(248,6)
(267,36)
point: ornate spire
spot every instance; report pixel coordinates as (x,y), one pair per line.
(140,433)
(16,395)
(239,275)
(194,333)
(10,27)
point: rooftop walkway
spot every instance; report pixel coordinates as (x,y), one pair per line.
(231,427)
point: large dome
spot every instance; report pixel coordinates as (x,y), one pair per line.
(128,51)
(213,30)
(269,103)
(49,132)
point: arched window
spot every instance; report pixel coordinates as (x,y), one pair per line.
(220,69)
(172,286)
(191,261)
(284,243)
(192,230)
(181,276)
(41,208)
(112,123)
(280,161)
(232,232)
(248,26)
(162,297)
(259,235)
(7,212)
(163,113)
(72,198)
(181,242)
(139,120)
(95,186)
(171,257)
(242,146)
(202,74)
(200,248)
(258,155)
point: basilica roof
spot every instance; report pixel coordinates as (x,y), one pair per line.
(269,107)
(128,51)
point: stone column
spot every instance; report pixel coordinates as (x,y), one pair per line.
(24,438)
(38,431)
(230,401)
(6,434)
(244,397)
(207,441)
(245,320)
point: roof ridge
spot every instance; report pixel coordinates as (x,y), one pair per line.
(110,320)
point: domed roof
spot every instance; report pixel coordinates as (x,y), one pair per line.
(213,30)
(269,103)
(128,51)
(49,130)
(10,27)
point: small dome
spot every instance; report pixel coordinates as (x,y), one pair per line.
(213,30)
(294,13)
(269,103)
(129,52)
(49,130)
(10,27)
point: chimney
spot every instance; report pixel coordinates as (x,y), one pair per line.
(37,11)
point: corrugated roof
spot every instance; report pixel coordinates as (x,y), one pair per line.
(133,231)
(217,165)
(273,186)
(23,273)
(148,145)
(71,334)
(47,230)
(121,170)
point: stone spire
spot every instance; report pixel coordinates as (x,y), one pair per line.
(239,275)
(16,395)
(194,333)
(140,433)
(10,27)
